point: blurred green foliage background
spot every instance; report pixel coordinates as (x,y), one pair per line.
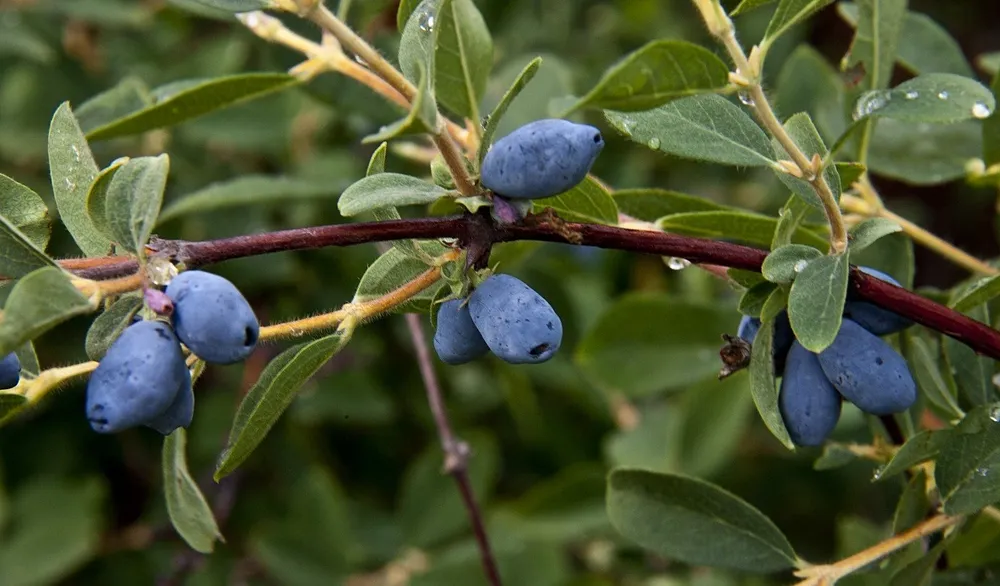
(349,480)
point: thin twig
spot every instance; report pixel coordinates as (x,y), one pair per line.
(456,451)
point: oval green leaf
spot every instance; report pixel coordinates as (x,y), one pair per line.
(197,98)
(97,197)
(736,225)
(246,191)
(387,190)
(651,204)
(587,202)
(133,200)
(816,301)
(706,128)
(763,384)
(21,209)
(40,301)
(494,118)
(695,522)
(189,511)
(788,14)
(868,231)
(785,263)
(932,97)
(968,467)
(110,324)
(655,74)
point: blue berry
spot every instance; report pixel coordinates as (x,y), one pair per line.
(810,406)
(10,371)
(138,379)
(456,339)
(541,159)
(178,414)
(782,339)
(212,317)
(872,317)
(518,325)
(868,372)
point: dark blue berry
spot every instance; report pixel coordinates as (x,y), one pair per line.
(138,379)
(868,372)
(212,317)
(541,159)
(872,317)
(10,371)
(456,339)
(518,325)
(810,406)
(178,414)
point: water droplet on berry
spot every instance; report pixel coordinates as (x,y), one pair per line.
(981,110)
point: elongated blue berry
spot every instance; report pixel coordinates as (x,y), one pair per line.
(456,339)
(10,371)
(868,372)
(809,405)
(178,414)
(781,342)
(872,317)
(541,159)
(518,325)
(212,317)
(138,378)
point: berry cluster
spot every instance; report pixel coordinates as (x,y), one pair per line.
(10,371)
(144,380)
(858,367)
(502,315)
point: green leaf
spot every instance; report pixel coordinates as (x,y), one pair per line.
(753,299)
(40,301)
(926,367)
(740,226)
(912,153)
(785,263)
(748,5)
(387,190)
(406,8)
(248,190)
(463,57)
(834,456)
(892,254)
(10,404)
(972,372)
(808,83)
(763,386)
(416,43)
(654,445)
(816,301)
(130,95)
(656,73)
(802,130)
(430,510)
(73,169)
(110,324)
(721,406)
(745,279)
(924,45)
(376,164)
(922,570)
(850,172)
(695,522)
(588,202)
(651,204)
(189,512)
(421,119)
(184,100)
(237,5)
(644,344)
(271,395)
(918,449)
(790,218)
(788,14)
(26,211)
(876,41)
(980,292)
(494,118)
(707,128)
(991,131)
(967,472)
(97,197)
(866,232)
(19,206)
(29,360)
(133,200)
(932,97)
(396,268)
(56,529)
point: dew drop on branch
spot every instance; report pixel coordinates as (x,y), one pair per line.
(746,99)
(677,263)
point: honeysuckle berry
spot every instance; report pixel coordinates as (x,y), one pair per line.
(541,159)
(809,405)
(212,317)
(456,339)
(872,317)
(517,323)
(10,371)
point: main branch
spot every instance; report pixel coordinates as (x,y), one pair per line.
(479,230)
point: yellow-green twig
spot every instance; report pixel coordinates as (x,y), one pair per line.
(51,379)
(826,575)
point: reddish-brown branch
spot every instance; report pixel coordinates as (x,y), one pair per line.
(480,230)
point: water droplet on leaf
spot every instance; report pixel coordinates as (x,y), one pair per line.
(995,414)
(981,110)
(983,472)
(877,474)
(654,143)
(869,103)
(426,22)
(746,99)
(800,265)
(943,95)
(912,95)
